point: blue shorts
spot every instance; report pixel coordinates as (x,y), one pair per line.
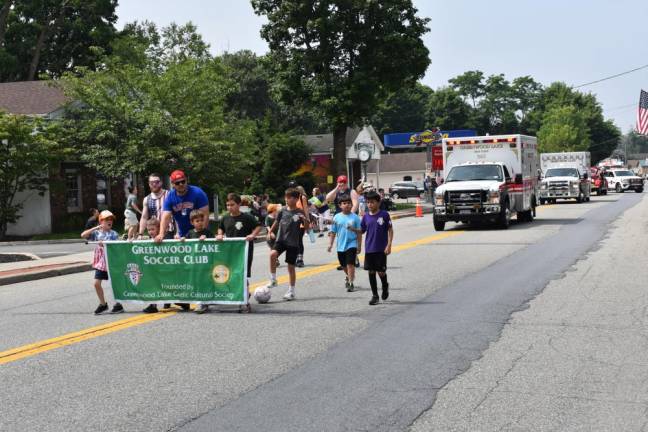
(101,275)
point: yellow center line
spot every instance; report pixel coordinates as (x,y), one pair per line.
(115,326)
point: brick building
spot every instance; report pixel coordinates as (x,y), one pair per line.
(73,188)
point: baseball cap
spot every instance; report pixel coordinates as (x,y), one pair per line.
(106,214)
(342,179)
(177,175)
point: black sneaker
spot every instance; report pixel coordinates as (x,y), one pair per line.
(150,309)
(185,306)
(299,263)
(350,287)
(118,308)
(374,300)
(101,309)
(166,306)
(385,292)
(340,268)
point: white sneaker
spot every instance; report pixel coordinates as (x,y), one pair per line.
(290,295)
(272,284)
(201,309)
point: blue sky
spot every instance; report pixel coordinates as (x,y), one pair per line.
(575,41)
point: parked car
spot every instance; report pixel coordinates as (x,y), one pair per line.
(599,183)
(405,189)
(621,179)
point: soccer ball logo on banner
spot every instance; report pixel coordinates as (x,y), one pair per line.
(134,274)
(221,274)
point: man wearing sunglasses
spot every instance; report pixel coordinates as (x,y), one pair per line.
(152,205)
(179,203)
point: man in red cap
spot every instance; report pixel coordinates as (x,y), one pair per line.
(179,203)
(342,188)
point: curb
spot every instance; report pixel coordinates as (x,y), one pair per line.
(79,268)
(40,242)
(26,277)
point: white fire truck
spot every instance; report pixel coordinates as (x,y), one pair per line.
(488,178)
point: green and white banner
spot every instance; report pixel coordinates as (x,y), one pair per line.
(192,271)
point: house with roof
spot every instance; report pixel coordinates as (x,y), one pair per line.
(73,187)
(322,153)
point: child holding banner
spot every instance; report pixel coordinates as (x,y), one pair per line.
(199,230)
(102,233)
(238,225)
(289,222)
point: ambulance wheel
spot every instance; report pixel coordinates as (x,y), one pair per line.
(542,201)
(504,219)
(438,225)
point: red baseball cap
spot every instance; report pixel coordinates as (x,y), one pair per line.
(342,179)
(177,175)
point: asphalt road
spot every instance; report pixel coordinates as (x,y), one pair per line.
(326,361)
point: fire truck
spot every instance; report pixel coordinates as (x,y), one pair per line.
(488,179)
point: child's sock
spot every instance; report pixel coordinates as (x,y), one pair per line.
(374,284)
(383,280)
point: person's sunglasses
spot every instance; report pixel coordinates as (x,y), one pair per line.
(180,182)
(154,181)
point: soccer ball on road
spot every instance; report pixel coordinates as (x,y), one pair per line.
(262,294)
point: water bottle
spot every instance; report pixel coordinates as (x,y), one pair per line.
(311,235)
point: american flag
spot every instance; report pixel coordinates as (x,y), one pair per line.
(642,114)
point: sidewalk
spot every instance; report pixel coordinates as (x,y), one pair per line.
(24,271)
(575,360)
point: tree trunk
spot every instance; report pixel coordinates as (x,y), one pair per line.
(4,14)
(339,165)
(45,33)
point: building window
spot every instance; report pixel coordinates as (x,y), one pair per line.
(73,190)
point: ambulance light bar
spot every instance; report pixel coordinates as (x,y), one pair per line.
(483,141)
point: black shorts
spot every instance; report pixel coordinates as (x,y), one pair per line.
(376,261)
(291,252)
(348,257)
(101,275)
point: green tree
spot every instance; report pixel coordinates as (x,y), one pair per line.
(447,110)
(138,118)
(603,135)
(343,57)
(281,155)
(564,128)
(24,165)
(470,85)
(53,36)
(404,111)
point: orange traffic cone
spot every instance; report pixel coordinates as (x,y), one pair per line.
(419,209)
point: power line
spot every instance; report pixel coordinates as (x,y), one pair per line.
(612,76)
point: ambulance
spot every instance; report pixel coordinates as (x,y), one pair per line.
(565,176)
(488,179)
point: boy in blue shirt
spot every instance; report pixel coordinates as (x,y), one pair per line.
(346,227)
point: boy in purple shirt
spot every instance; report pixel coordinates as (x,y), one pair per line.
(377,226)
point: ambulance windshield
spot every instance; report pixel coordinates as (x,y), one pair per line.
(562,172)
(475,172)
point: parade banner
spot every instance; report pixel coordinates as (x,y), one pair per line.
(193,271)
